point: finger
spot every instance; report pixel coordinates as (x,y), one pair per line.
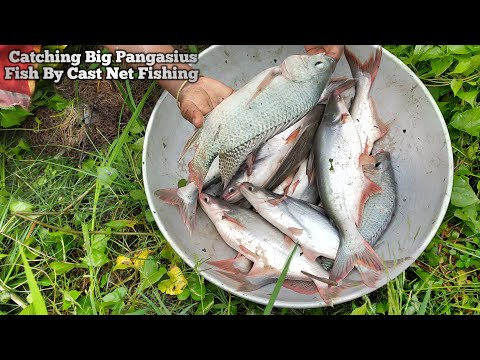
(191,113)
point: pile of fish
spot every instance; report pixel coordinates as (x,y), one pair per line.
(297,146)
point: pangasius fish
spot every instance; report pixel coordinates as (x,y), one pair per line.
(256,239)
(297,219)
(303,185)
(363,109)
(278,157)
(343,187)
(270,103)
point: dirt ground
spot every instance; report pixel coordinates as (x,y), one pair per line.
(95,118)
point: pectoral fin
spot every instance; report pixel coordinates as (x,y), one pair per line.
(272,74)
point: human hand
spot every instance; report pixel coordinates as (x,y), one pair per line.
(198,99)
(334,51)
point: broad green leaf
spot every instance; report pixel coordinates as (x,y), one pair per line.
(138,195)
(12,116)
(57,102)
(37,300)
(182,183)
(69,298)
(20,206)
(62,267)
(114,300)
(468,121)
(361,310)
(84,306)
(184,295)
(438,91)
(138,145)
(149,216)
(120,224)
(106,175)
(152,278)
(467,65)
(196,286)
(456,85)
(432,53)
(468,96)
(458,49)
(462,193)
(205,305)
(439,66)
(137,127)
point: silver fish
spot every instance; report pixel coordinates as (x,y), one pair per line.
(303,185)
(186,197)
(297,219)
(380,207)
(343,187)
(278,157)
(363,109)
(270,103)
(259,241)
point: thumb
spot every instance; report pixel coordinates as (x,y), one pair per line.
(192,113)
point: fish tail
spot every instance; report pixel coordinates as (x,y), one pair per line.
(248,283)
(345,262)
(326,293)
(336,86)
(370,66)
(186,200)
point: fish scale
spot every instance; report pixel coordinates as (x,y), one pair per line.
(272,101)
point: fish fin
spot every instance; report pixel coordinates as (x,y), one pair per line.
(191,142)
(246,252)
(238,264)
(368,276)
(311,168)
(186,204)
(310,254)
(369,189)
(300,286)
(258,269)
(196,176)
(294,186)
(382,126)
(333,85)
(365,159)
(293,136)
(272,74)
(344,262)
(249,162)
(248,283)
(320,279)
(327,294)
(370,66)
(227,217)
(277,201)
(295,231)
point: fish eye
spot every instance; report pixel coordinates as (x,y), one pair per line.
(378,164)
(250,188)
(318,63)
(206,199)
(231,190)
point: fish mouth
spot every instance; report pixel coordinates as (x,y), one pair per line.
(232,196)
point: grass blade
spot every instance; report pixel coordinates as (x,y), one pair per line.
(193,49)
(38,301)
(423,307)
(279,283)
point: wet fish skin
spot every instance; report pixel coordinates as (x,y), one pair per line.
(363,109)
(256,239)
(343,187)
(297,219)
(279,156)
(304,185)
(270,103)
(380,207)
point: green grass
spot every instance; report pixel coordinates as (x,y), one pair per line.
(84,237)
